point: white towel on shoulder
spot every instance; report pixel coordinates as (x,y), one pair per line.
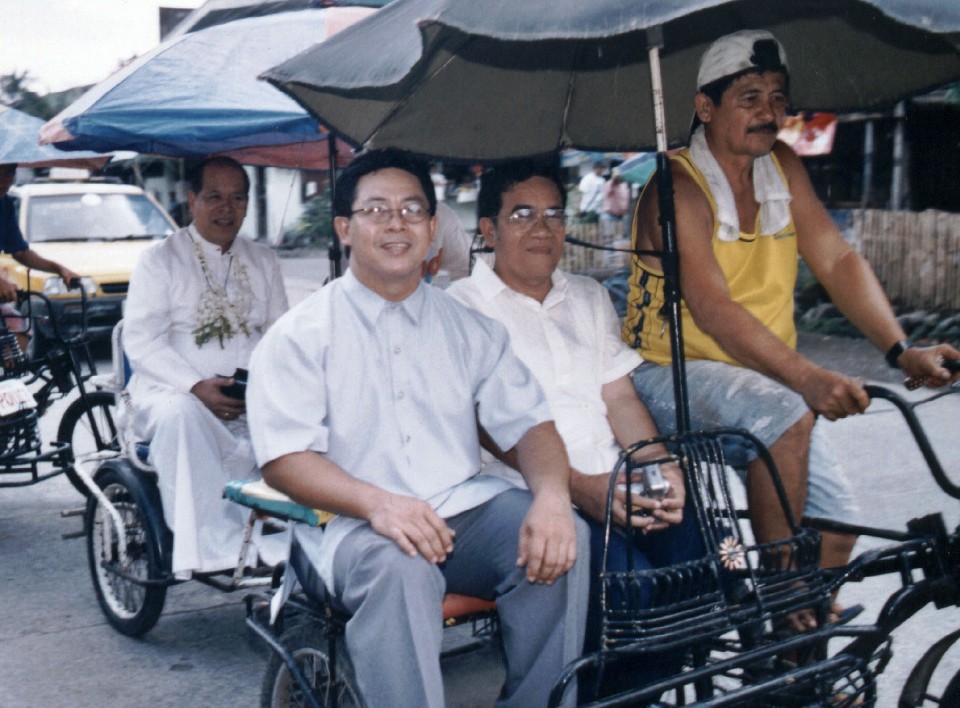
(769,189)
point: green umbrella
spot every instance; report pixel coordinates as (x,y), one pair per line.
(482,81)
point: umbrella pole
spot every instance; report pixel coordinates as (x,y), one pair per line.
(334,251)
(668,228)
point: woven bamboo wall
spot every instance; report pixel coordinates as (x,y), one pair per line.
(915,255)
(580,259)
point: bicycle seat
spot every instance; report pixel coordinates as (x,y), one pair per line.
(456,607)
(259,496)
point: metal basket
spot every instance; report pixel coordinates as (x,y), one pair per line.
(735,585)
(19,435)
(13,363)
(765,680)
(843,681)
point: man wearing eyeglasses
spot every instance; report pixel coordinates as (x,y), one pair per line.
(564,327)
(364,401)
(198,303)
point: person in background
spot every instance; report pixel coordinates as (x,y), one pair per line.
(12,242)
(439,182)
(199,301)
(364,401)
(745,210)
(591,194)
(449,256)
(616,203)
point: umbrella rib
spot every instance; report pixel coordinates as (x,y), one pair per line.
(562,141)
(400,105)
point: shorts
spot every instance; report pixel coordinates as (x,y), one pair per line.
(726,396)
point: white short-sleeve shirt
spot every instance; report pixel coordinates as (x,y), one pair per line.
(391,393)
(572,344)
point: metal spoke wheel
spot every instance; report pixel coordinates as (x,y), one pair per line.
(130,590)
(89,426)
(308,645)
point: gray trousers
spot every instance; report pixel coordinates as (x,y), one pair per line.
(394,635)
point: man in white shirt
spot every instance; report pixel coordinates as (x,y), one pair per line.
(564,327)
(199,302)
(364,401)
(449,257)
(591,193)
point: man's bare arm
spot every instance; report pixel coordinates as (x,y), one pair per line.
(311,479)
(631,422)
(32,259)
(848,278)
(548,541)
(734,328)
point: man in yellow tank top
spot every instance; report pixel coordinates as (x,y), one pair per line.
(745,210)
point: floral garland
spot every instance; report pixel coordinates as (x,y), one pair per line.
(218,316)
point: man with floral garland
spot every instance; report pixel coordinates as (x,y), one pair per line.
(199,302)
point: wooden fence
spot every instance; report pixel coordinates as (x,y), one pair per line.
(915,255)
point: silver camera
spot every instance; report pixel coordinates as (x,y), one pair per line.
(652,483)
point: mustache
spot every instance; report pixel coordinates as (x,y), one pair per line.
(764,128)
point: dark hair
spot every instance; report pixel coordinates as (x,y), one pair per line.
(195,176)
(498,180)
(374,161)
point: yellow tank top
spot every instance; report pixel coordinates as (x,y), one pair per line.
(761,272)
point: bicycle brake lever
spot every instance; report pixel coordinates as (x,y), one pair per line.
(914,382)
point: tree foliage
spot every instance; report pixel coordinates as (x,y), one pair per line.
(15,92)
(315,226)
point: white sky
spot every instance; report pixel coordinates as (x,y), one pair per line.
(67,43)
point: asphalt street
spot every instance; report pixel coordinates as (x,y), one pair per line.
(56,648)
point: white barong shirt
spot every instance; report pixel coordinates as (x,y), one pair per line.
(195,453)
(391,393)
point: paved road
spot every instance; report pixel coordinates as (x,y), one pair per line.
(57,650)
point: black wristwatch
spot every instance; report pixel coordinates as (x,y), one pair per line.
(893,354)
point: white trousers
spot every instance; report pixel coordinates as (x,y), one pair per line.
(195,454)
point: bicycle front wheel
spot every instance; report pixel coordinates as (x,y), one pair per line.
(88,426)
(331,684)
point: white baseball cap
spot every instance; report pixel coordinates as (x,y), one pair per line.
(733,53)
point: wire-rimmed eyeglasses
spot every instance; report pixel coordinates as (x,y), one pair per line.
(525,218)
(412,213)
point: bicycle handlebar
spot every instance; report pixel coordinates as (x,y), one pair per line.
(915,382)
(25,297)
(906,408)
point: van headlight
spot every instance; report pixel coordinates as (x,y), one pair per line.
(56,286)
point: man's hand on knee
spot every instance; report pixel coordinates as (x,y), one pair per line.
(548,539)
(413,525)
(210,393)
